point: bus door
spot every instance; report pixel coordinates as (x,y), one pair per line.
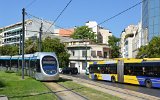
(120,71)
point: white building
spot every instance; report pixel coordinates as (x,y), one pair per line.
(78,49)
(126,41)
(137,41)
(11,34)
(101,33)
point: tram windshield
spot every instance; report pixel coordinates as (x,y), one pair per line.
(49,65)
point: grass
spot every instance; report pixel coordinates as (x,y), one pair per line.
(90,93)
(15,88)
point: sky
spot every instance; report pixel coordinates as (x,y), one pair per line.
(76,14)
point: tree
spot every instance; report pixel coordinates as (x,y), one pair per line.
(54,45)
(31,46)
(9,50)
(84,32)
(142,52)
(152,50)
(113,43)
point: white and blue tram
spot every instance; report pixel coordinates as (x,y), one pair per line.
(42,66)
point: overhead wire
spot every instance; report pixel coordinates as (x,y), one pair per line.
(47,22)
(39,22)
(93,26)
(60,14)
(30,4)
(120,13)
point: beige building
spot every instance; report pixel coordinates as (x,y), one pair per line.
(101,33)
(78,58)
(127,37)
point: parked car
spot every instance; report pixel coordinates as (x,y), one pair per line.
(69,70)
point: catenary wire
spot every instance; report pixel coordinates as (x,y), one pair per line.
(60,14)
(30,4)
(47,22)
(120,13)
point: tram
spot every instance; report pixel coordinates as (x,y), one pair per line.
(144,72)
(43,66)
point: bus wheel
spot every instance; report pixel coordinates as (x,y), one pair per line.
(148,83)
(95,77)
(113,79)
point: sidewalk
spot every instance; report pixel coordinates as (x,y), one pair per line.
(2,97)
(122,93)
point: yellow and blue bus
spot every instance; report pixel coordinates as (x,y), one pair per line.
(145,72)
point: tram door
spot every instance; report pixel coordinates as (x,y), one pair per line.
(120,71)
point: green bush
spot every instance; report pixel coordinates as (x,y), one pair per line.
(9,71)
(2,84)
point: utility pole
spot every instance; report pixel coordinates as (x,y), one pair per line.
(40,37)
(86,54)
(23,37)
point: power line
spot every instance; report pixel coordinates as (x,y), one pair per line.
(30,4)
(47,22)
(120,13)
(60,14)
(39,22)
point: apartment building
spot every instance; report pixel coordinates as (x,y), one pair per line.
(127,37)
(137,40)
(82,52)
(101,33)
(10,35)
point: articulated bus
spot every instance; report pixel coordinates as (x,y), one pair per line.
(145,72)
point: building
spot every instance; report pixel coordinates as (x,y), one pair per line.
(10,35)
(78,50)
(127,37)
(150,20)
(66,32)
(101,33)
(137,40)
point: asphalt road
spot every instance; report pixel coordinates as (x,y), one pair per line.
(152,91)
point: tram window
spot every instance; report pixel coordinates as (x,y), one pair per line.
(38,66)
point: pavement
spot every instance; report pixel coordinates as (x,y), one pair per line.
(2,97)
(119,92)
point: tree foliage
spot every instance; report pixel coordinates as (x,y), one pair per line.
(9,50)
(54,45)
(31,46)
(84,32)
(113,43)
(152,50)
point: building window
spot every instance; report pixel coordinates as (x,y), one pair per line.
(99,53)
(72,64)
(83,65)
(73,53)
(93,54)
(105,54)
(83,53)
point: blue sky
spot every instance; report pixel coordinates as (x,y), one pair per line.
(76,14)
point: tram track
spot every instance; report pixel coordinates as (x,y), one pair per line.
(62,92)
(122,93)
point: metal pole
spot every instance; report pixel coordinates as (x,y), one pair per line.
(86,54)
(23,36)
(40,37)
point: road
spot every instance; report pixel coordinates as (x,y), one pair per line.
(152,91)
